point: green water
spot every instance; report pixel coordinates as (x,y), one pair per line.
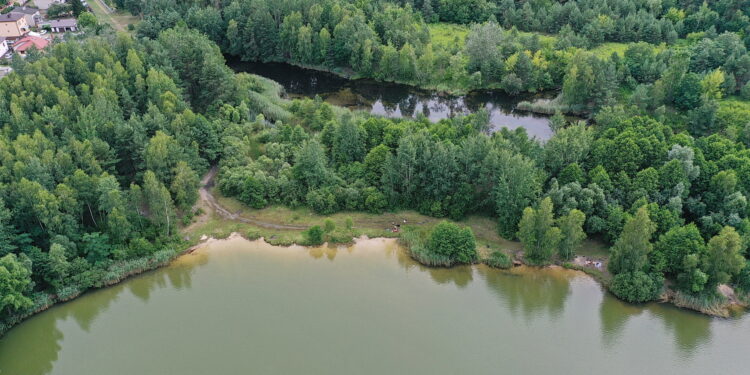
(240,307)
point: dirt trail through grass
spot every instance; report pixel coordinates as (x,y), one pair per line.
(209,201)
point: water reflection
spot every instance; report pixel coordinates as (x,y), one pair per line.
(275,280)
(691,330)
(398,101)
(613,315)
(529,291)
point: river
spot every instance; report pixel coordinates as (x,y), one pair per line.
(396,100)
(245,307)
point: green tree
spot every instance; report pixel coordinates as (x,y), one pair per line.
(629,254)
(672,248)
(184,185)
(538,234)
(571,228)
(723,259)
(159,202)
(310,165)
(15,283)
(58,266)
(348,143)
(518,186)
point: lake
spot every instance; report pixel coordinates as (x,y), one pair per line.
(246,307)
(396,100)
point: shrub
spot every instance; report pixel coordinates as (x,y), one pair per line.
(637,286)
(313,235)
(329,225)
(452,242)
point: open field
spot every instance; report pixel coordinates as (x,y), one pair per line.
(119,20)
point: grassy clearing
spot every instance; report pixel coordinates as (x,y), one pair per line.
(448,34)
(607,49)
(118,20)
(371,225)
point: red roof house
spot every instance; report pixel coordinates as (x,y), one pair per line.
(21,46)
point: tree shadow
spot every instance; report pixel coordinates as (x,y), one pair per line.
(529,291)
(690,329)
(37,350)
(613,315)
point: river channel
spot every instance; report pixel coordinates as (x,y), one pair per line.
(398,101)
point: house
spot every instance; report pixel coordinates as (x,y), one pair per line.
(64,25)
(13,25)
(23,45)
(31,14)
(45,4)
(3,46)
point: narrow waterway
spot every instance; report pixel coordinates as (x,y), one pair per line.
(245,307)
(395,100)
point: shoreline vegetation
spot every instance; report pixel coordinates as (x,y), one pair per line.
(105,136)
(217,222)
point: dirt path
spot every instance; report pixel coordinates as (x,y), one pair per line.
(209,204)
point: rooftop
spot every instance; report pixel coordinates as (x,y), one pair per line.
(25,10)
(65,22)
(11,17)
(28,41)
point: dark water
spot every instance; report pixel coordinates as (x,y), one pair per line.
(395,100)
(242,307)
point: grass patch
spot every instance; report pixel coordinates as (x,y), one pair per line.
(498,259)
(119,20)
(447,34)
(707,303)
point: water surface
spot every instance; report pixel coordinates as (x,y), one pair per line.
(395,100)
(241,307)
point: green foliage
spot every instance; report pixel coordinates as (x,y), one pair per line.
(723,259)
(636,286)
(499,259)
(15,284)
(629,254)
(314,235)
(452,242)
(329,226)
(571,230)
(539,236)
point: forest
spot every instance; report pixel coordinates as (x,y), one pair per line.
(104,137)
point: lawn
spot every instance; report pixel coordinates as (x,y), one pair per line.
(119,20)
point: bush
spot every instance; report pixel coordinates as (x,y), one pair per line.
(449,241)
(329,225)
(636,286)
(499,259)
(313,235)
